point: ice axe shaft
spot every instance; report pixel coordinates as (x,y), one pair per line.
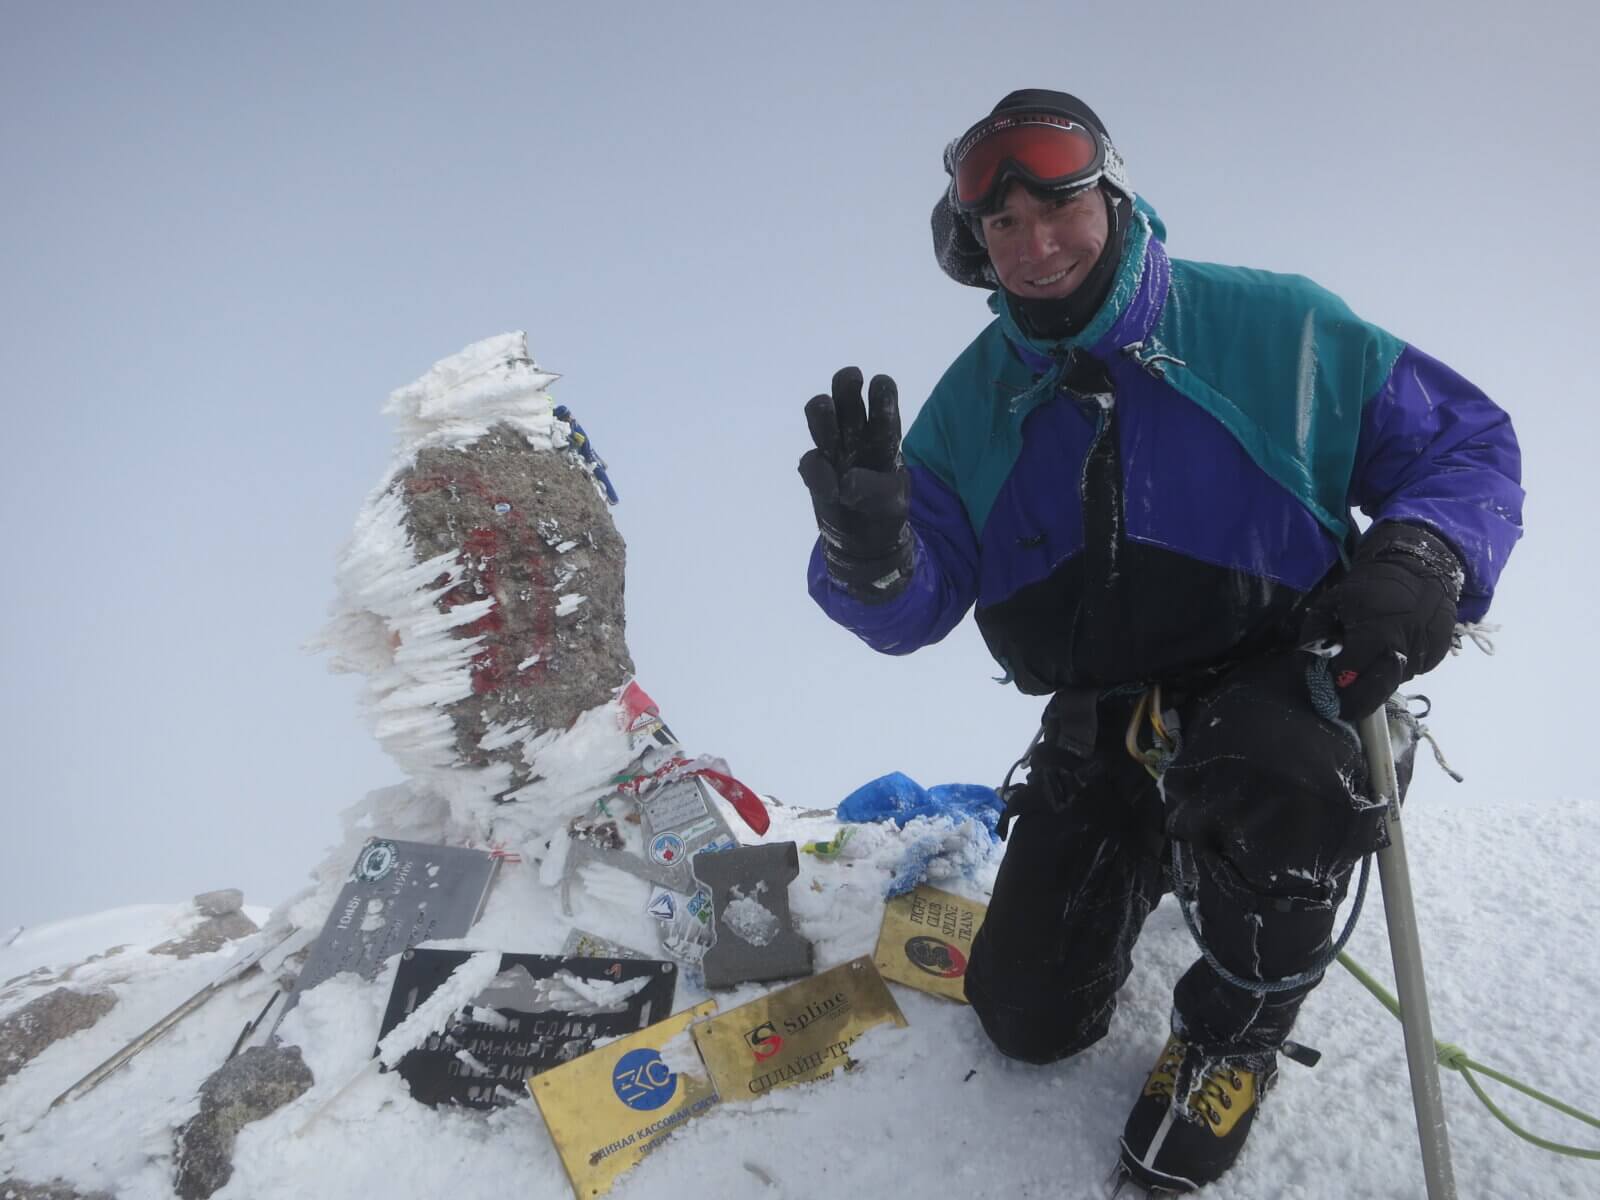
(124,1056)
(1406,950)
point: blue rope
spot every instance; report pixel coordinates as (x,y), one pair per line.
(1325,700)
(1262,987)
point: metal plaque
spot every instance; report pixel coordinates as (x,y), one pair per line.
(679,820)
(756,940)
(926,941)
(800,1033)
(542,1010)
(398,894)
(608,1109)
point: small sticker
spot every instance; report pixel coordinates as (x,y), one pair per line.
(502,508)
(666,848)
(700,906)
(662,907)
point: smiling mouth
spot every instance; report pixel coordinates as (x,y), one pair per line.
(1049,280)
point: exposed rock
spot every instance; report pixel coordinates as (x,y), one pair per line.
(210,935)
(45,1020)
(17,1189)
(253,1085)
(219,903)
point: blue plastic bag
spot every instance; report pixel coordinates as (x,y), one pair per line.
(899,798)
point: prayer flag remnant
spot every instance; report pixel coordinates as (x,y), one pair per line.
(926,941)
(798,1034)
(609,1108)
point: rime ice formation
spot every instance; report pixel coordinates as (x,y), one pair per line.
(482,591)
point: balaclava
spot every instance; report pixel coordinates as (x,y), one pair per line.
(961,253)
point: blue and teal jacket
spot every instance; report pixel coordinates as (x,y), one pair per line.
(1158,495)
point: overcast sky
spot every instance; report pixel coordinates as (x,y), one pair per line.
(229,231)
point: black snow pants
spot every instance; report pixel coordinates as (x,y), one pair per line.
(1268,801)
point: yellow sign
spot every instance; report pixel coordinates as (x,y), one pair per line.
(926,941)
(795,1035)
(610,1107)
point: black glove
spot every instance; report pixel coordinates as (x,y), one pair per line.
(1394,614)
(859,489)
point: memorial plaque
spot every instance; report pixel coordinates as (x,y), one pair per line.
(398,894)
(798,1034)
(607,1110)
(542,1010)
(926,941)
(755,938)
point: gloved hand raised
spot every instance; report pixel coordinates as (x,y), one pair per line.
(860,491)
(1394,614)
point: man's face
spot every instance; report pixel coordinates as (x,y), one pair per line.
(1043,249)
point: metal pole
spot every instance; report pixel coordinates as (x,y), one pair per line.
(1406,949)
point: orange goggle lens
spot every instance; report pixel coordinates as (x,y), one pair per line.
(1046,150)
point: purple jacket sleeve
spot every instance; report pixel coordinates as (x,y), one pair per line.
(1436,451)
(942,588)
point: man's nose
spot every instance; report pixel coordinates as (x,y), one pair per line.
(1039,240)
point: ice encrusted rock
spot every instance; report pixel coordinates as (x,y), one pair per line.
(459,590)
(45,1020)
(253,1085)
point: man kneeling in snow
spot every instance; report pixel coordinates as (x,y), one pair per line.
(1140,473)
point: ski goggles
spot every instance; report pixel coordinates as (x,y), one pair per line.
(1047,150)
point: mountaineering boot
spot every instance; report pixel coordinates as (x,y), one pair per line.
(1192,1118)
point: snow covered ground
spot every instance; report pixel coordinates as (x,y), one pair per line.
(1504,892)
